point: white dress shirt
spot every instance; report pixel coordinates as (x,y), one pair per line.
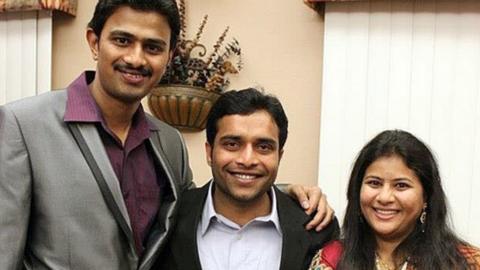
(224,245)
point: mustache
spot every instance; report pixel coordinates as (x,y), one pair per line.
(144,71)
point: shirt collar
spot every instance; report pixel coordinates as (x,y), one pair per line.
(209,212)
(81,106)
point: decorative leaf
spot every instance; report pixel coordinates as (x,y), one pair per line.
(188,67)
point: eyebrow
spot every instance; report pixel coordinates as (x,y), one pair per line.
(372,176)
(394,180)
(230,137)
(267,140)
(155,41)
(238,138)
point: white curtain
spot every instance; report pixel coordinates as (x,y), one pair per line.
(413,65)
(25,54)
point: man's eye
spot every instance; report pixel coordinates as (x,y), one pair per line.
(230,145)
(154,49)
(265,147)
(121,41)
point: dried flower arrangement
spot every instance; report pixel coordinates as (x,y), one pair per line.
(188,66)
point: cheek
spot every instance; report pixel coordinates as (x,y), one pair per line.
(271,161)
(367,196)
(159,65)
(272,165)
(413,202)
(221,158)
(363,195)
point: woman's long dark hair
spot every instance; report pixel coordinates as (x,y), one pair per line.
(436,248)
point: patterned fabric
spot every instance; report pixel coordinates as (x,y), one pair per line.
(472,255)
(328,257)
(323,259)
(67,6)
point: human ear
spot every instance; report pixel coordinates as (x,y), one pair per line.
(208,152)
(92,40)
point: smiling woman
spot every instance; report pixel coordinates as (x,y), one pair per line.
(391,198)
(396,216)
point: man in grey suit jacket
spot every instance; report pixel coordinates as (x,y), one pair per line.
(87,179)
(240,220)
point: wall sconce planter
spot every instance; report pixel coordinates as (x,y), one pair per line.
(194,80)
(182,106)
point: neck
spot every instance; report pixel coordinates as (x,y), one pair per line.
(117,114)
(385,252)
(241,212)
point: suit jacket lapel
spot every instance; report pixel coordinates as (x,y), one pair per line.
(156,143)
(190,216)
(295,237)
(87,135)
(197,208)
(90,134)
(164,222)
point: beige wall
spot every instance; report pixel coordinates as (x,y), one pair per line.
(282,43)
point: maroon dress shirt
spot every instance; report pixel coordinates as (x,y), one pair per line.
(133,162)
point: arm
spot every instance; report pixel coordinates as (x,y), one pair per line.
(312,201)
(186,171)
(15,192)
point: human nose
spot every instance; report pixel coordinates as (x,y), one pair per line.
(247,157)
(135,56)
(385,194)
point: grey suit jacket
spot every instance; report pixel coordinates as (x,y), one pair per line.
(298,248)
(53,214)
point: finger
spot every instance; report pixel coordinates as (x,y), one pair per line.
(316,220)
(322,205)
(314,196)
(328,218)
(299,192)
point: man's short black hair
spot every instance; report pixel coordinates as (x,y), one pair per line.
(245,102)
(167,8)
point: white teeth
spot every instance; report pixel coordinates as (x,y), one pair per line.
(386,212)
(134,75)
(245,176)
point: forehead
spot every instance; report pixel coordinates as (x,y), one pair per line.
(259,124)
(148,24)
(392,166)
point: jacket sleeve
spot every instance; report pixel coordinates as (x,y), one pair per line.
(186,170)
(15,191)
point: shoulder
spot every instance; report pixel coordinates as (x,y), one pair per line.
(327,258)
(293,220)
(43,101)
(169,139)
(291,214)
(289,211)
(37,110)
(164,128)
(471,255)
(190,207)
(195,194)
(287,204)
